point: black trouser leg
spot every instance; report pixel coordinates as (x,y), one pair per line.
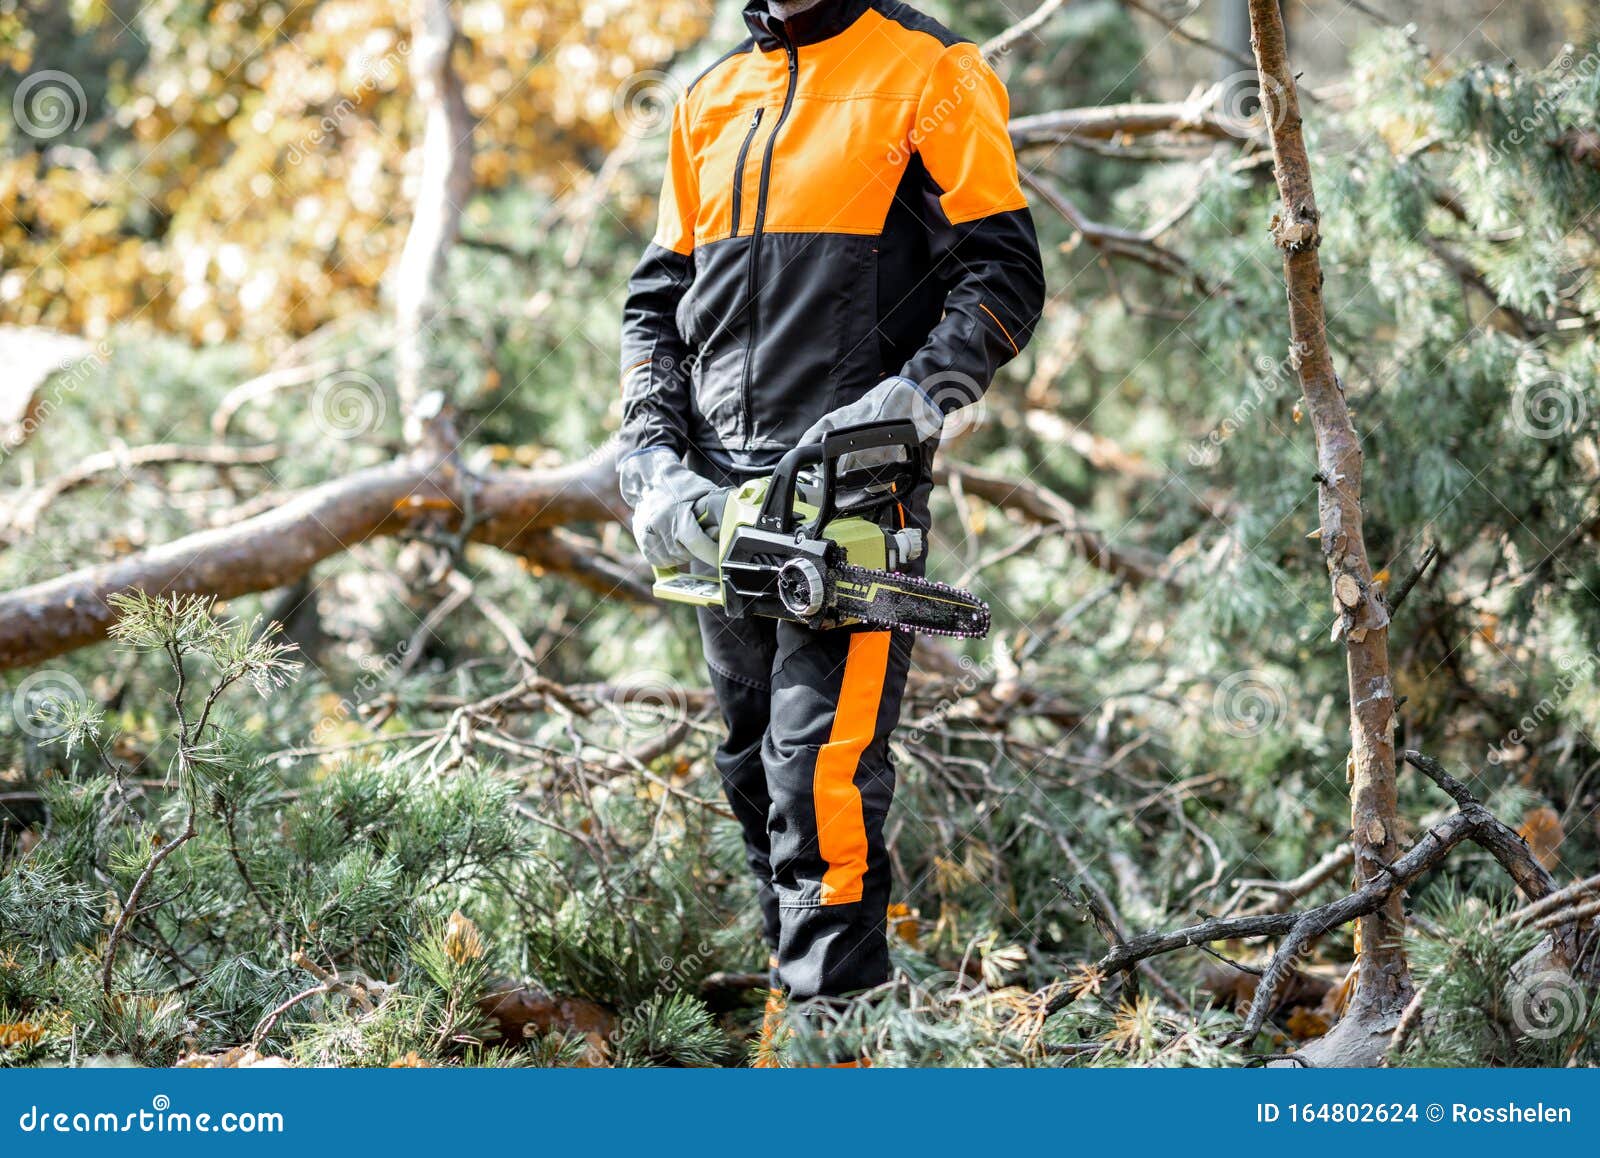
(739,654)
(835,699)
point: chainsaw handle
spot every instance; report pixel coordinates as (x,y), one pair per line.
(777,510)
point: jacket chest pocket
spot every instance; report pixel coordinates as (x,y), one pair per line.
(740,164)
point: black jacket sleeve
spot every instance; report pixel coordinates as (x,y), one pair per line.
(986,248)
(655,358)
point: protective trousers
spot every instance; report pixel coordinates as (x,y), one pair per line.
(807,771)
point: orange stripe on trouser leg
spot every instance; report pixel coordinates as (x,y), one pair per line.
(841,825)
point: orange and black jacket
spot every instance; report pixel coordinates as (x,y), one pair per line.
(841,204)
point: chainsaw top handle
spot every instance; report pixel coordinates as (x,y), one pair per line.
(777,511)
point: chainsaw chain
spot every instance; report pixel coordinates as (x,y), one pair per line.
(977,607)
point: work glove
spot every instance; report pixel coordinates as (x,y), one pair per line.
(663,493)
(893,399)
(708,511)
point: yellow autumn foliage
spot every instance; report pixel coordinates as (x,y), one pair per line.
(253,175)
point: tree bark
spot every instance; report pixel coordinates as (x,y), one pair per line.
(444,185)
(516,511)
(1109,122)
(525,512)
(1383,983)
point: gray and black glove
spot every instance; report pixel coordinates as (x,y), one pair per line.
(708,512)
(893,399)
(663,494)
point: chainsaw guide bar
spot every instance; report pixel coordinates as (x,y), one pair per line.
(908,603)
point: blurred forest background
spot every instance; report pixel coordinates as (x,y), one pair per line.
(312,306)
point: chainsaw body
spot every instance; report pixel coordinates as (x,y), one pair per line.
(818,546)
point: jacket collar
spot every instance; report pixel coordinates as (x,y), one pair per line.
(828,18)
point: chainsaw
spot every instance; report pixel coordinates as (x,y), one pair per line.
(824,547)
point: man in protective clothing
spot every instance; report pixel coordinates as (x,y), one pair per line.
(842,238)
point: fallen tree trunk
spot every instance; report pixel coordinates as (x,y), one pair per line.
(525,512)
(512,510)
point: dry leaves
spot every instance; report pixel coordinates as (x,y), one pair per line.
(462,941)
(1541,828)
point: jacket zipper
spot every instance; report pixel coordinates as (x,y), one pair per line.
(755,231)
(738,169)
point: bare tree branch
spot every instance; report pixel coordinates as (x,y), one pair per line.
(1195,118)
(511,510)
(1384,983)
(445,185)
